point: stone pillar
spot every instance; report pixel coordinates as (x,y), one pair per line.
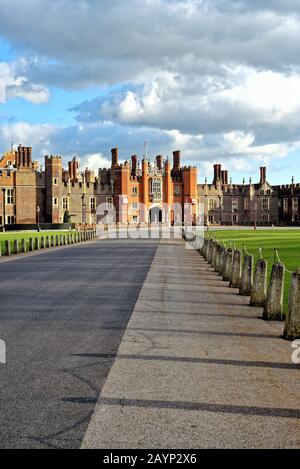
(247,276)
(30,244)
(203,249)
(235,281)
(215,255)
(23,245)
(7,247)
(292,321)
(42,242)
(228,265)
(209,250)
(217,258)
(259,290)
(36,244)
(223,261)
(214,252)
(68,239)
(220,265)
(47,242)
(273,309)
(16,246)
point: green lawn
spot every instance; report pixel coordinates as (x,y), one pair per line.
(287,242)
(11,236)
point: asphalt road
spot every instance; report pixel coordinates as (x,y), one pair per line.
(58,311)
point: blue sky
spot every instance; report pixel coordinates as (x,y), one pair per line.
(217,80)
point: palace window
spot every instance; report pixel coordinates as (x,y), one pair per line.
(109,203)
(93,203)
(235,205)
(135,219)
(177,191)
(55,181)
(10,197)
(156,188)
(134,190)
(134,205)
(65,203)
(211,204)
(266,204)
(235,218)
(285,205)
(10,220)
(246,204)
(265,217)
(55,201)
(295,204)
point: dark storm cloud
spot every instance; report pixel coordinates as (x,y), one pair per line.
(179,72)
(78,42)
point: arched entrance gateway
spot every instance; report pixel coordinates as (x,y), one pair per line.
(155,215)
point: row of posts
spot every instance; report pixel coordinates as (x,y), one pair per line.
(44,242)
(239,270)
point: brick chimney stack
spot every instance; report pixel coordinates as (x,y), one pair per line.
(217,173)
(114,157)
(87,174)
(176,160)
(24,157)
(133,165)
(263,174)
(159,159)
(224,177)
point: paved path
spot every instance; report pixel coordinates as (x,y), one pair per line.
(197,367)
(57,308)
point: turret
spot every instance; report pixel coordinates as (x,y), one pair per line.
(53,177)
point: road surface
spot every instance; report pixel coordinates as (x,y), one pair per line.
(57,308)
